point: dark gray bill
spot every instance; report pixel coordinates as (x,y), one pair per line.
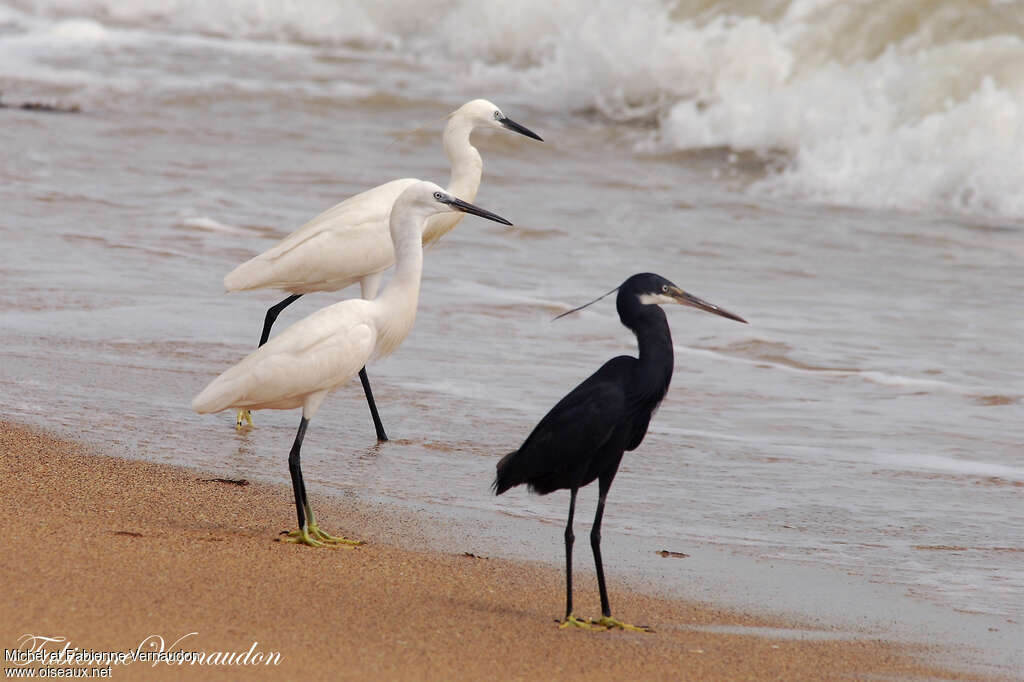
(467,207)
(521,129)
(689,299)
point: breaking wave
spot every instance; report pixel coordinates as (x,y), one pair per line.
(909,104)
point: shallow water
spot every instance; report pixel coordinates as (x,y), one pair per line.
(869,419)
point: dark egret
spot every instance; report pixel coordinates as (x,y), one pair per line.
(321,352)
(349,242)
(584,436)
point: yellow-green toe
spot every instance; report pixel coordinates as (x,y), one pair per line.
(572,621)
(609,623)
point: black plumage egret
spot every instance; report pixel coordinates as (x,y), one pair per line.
(584,436)
(316,355)
(349,242)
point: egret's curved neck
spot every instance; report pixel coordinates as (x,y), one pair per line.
(467,166)
(655,343)
(467,169)
(656,356)
(396,305)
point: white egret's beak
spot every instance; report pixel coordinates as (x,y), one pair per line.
(466,207)
(508,123)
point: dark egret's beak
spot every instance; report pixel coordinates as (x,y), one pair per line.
(683,298)
(506,122)
(466,207)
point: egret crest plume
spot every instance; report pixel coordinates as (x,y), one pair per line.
(568,312)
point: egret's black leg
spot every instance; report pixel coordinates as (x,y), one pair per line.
(570,619)
(308,533)
(595,544)
(381,436)
(607,621)
(569,538)
(272,314)
(268,322)
(298,485)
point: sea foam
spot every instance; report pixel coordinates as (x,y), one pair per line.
(909,105)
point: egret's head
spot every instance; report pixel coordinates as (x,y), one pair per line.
(646,289)
(479,113)
(651,289)
(432,199)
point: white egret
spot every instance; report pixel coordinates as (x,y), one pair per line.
(321,352)
(350,243)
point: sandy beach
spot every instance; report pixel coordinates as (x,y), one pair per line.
(113,555)
(834,484)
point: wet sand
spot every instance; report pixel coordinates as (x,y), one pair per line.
(108,553)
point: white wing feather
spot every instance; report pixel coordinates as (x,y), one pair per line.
(318,353)
(331,251)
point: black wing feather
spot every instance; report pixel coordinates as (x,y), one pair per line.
(560,449)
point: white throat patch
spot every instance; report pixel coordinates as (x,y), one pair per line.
(650,299)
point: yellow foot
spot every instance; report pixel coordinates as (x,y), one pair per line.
(314,537)
(244,416)
(572,621)
(302,537)
(315,531)
(609,623)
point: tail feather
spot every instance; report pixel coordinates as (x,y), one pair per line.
(252,274)
(509,474)
(219,394)
(207,402)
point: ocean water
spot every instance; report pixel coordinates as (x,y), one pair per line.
(847,176)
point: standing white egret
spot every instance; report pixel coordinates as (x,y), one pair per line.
(349,242)
(321,352)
